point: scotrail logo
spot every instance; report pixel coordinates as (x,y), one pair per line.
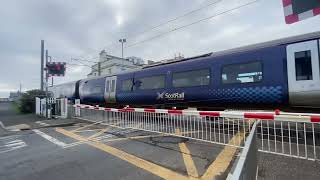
(160,95)
(170,96)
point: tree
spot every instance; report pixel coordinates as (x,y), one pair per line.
(27,100)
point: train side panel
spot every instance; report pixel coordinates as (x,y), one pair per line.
(67,90)
(91,91)
(271,90)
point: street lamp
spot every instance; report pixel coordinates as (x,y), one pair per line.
(122,41)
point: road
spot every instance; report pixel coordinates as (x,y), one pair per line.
(111,153)
(92,151)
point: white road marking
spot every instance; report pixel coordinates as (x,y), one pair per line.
(1,124)
(15,144)
(95,139)
(14,141)
(65,145)
(11,145)
(42,123)
(50,138)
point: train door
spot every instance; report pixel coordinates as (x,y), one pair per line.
(110,89)
(303,73)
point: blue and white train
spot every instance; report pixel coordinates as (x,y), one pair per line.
(275,74)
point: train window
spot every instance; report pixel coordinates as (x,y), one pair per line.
(242,73)
(191,78)
(107,86)
(153,82)
(303,65)
(113,85)
(127,85)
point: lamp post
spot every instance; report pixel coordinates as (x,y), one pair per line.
(122,41)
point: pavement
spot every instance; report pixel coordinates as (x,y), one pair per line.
(74,149)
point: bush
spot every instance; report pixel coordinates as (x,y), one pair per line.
(27,101)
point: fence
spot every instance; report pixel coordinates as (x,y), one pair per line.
(204,126)
(56,107)
(292,135)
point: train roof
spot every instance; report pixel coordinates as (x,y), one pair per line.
(278,42)
(63,84)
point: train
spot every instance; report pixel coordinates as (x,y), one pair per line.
(283,73)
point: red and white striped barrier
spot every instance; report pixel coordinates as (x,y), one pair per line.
(276,116)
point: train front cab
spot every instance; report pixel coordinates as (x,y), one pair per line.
(304,73)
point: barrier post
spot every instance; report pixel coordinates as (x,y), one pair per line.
(246,165)
(77,108)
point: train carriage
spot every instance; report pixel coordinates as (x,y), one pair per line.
(281,73)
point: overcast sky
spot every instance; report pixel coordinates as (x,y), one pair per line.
(82,28)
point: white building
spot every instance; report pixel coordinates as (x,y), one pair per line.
(113,65)
(15,96)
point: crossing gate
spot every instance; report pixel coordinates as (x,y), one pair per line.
(61,108)
(289,134)
(56,107)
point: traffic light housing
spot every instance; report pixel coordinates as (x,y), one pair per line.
(56,68)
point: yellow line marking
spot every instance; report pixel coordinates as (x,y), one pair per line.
(98,133)
(189,163)
(224,158)
(134,137)
(88,130)
(141,163)
(83,127)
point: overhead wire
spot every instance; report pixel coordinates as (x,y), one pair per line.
(164,23)
(176,18)
(187,25)
(195,22)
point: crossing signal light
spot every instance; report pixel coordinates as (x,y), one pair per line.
(56,68)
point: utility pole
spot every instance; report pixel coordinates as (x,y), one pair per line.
(122,41)
(99,68)
(41,68)
(52,76)
(47,84)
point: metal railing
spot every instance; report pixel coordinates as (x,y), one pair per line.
(204,127)
(291,135)
(290,138)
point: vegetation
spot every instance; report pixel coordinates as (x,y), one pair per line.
(15,106)
(27,102)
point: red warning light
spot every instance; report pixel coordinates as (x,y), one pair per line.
(56,68)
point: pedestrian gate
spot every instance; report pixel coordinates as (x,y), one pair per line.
(55,107)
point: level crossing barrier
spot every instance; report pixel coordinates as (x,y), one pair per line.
(289,134)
